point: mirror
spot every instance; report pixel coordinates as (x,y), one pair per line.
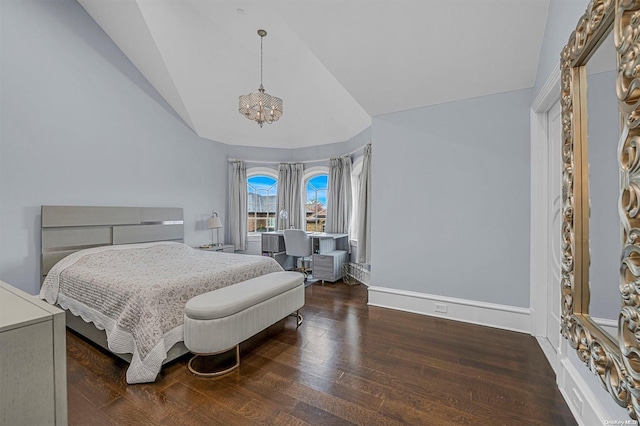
(603,183)
(616,362)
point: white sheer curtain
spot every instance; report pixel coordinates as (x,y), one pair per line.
(339,195)
(289,196)
(238,206)
(364,210)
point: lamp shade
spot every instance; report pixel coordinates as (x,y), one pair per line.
(214,222)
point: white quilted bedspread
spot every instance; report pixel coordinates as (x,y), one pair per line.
(137,293)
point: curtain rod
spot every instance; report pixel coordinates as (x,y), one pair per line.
(231,160)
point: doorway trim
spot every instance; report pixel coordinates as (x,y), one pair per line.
(540,200)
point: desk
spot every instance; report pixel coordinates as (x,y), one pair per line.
(329,251)
(321,242)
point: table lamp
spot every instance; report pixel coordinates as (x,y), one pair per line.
(214,222)
(284,215)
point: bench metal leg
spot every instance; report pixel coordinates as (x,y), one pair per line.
(299,317)
(214,373)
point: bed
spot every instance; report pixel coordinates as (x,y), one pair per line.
(126,295)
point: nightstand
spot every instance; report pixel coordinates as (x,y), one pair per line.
(225,248)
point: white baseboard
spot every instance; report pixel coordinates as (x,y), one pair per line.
(582,402)
(471,311)
(550,353)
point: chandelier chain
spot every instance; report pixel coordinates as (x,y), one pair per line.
(261,40)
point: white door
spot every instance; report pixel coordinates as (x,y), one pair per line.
(554,225)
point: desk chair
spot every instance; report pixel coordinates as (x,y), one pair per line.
(297,244)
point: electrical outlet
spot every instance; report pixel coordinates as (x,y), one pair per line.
(441,308)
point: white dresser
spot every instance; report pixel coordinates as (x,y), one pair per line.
(33,364)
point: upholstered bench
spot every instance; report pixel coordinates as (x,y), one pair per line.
(217,321)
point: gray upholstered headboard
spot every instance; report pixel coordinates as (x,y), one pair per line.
(67,229)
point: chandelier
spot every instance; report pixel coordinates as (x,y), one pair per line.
(260,107)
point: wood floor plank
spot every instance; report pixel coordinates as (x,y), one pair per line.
(286,419)
(437,385)
(128,411)
(81,410)
(348,363)
(325,383)
(98,392)
(205,415)
(316,416)
(348,411)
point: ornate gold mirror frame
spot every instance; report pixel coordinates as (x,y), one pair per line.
(617,364)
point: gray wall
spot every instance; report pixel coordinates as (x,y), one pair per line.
(451,199)
(562,18)
(322,152)
(81,126)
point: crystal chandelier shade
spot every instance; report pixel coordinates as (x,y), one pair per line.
(260,106)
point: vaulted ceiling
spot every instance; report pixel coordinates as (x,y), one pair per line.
(335,63)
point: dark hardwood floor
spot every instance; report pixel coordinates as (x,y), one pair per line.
(348,363)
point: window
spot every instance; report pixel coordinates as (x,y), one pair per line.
(316,203)
(261,203)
